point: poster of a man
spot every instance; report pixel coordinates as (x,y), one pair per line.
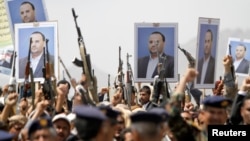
(155,51)
(36,46)
(25,11)
(240,52)
(206,52)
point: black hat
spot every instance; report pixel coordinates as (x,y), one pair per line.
(108,111)
(39,124)
(5,136)
(146,117)
(217,101)
(64,81)
(88,121)
(84,111)
(160,111)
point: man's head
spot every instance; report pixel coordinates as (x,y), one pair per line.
(37,43)
(240,51)
(245,110)
(27,12)
(112,122)
(89,122)
(146,126)
(208,42)
(156,43)
(42,129)
(145,94)
(16,123)
(62,126)
(214,111)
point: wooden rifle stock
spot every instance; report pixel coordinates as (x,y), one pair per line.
(12,82)
(86,66)
(27,73)
(67,72)
(47,86)
(232,65)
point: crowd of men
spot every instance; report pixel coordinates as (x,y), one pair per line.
(176,119)
(114,117)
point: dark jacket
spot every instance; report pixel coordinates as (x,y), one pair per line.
(143,65)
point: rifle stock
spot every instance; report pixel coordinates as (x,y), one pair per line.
(27,73)
(67,72)
(189,57)
(129,82)
(232,65)
(12,82)
(160,82)
(48,90)
(86,64)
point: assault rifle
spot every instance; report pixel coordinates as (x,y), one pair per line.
(119,80)
(129,81)
(160,82)
(47,85)
(26,88)
(12,83)
(85,62)
(232,65)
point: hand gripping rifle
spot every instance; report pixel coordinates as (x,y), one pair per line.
(48,90)
(191,61)
(120,76)
(160,82)
(85,62)
(119,80)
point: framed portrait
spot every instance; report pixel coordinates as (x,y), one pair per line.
(207,42)
(25,11)
(239,49)
(36,44)
(155,43)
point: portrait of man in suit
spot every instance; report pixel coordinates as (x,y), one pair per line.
(241,64)
(148,64)
(206,64)
(207,40)
(37,48)
(37,56)
(25,11)
(156,53)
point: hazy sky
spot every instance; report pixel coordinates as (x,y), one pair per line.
(108,24)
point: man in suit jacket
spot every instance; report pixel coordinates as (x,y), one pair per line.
(147,65)
(37,45)
(206,65)
(241,64)
(145,93)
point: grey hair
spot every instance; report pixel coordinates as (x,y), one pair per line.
(146,130)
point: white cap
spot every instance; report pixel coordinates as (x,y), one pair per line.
(61,116)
